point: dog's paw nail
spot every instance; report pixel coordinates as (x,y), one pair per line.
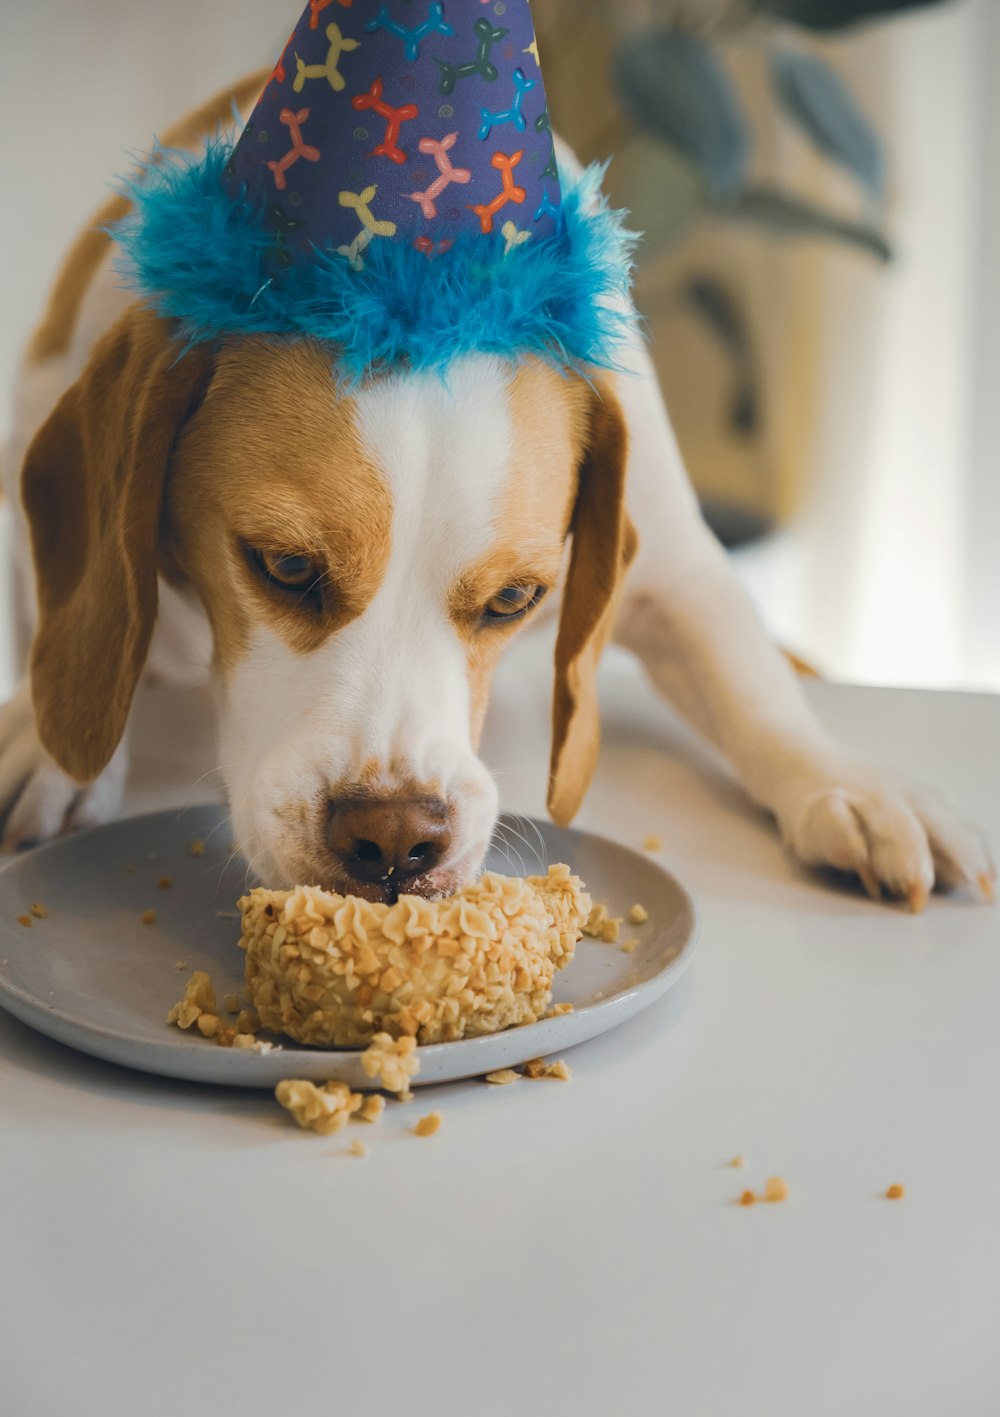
(917,897)
(870,882)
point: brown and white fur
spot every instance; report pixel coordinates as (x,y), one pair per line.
(145,479)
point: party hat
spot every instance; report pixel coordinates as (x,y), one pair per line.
(395,192)
(392,122)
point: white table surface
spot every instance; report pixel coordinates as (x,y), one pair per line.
(563,1249)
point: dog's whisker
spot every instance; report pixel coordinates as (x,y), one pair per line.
(539,852)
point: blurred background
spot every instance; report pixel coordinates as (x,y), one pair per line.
(819,184)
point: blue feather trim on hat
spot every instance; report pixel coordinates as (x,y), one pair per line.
(209,259)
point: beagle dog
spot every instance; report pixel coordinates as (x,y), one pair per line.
(349,566)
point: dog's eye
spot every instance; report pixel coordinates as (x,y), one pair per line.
(512,601)
(292,571)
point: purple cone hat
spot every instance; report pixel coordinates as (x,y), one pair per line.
(403,121)
(395,192)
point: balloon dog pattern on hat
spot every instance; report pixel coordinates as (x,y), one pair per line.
(402,120)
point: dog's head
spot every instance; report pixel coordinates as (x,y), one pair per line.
(363,558)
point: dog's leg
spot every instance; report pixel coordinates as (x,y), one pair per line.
(685,614)
(37,799)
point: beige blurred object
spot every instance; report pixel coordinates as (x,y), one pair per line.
(776,284)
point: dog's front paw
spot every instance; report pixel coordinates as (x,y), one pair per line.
(898,840)
(37,799)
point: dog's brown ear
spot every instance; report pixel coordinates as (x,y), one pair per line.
(604,542)
(92,487)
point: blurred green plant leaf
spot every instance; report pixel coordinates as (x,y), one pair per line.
(672,85)
(662,192)
(836,14)
(722,312)
(791,216)
(816,98)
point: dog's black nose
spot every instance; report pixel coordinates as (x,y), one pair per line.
(388,841)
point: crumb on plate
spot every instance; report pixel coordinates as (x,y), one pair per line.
(748,1198)
(196,847)
(208,1025)
(392,1062)
(559,1009)
(199,998)
(629,947)
(896,1192)
(39,911)
(739,1162)
(600,925)
(653,843)
(775,1189)
(164,883)
(148,917)
(357,1148)
(638,915)
(428,1125)
(24,920)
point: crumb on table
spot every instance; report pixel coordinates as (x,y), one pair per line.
(196,847)
(775,1189)
(357,1148)
(371,1109)
(539,1068)
(24,920)
(164,883)
(39,911)
(324,1109)
(896,1192)
(653,843)
(428,1125)
(748,1198)
(739,1162)
(502,1077)
(148,917)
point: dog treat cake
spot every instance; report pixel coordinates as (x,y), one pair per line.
(329,969)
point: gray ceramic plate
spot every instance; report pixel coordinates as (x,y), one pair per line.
(93,976)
